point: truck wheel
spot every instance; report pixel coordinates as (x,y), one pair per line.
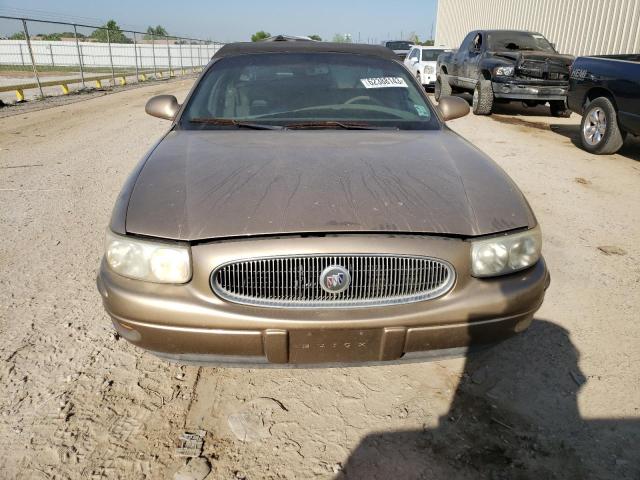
(559,109)
(483,98)
(442,87)
(599,131)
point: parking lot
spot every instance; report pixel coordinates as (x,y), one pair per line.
(562,400)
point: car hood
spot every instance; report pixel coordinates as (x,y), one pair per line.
(540,55)
(198,185)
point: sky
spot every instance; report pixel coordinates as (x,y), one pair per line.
(227,21)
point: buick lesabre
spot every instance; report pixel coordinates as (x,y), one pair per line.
(308,205)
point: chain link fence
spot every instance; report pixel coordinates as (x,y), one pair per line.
(40,58)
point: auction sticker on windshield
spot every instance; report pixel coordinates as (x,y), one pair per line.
(383,82)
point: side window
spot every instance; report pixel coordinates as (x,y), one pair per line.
(477,42)
(414,53)
(467,42)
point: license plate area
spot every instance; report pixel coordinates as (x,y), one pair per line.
(318,346)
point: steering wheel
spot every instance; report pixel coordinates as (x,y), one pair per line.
(366,98)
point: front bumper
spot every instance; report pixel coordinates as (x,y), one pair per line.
(190,323)
(514,90)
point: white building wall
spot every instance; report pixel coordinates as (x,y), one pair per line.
(578,27)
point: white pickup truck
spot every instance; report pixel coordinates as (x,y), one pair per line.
(421,61)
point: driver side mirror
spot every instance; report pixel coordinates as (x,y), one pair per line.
(163,106)
(453,107)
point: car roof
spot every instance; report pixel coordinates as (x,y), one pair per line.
(288,38)
(508,31)
(244,48)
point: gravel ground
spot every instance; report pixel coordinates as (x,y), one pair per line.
(561,400)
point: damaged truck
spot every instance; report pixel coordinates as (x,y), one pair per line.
(504,66)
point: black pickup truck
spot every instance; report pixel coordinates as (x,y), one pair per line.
(506,65)
(605,90)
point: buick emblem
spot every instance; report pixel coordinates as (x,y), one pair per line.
(335,279)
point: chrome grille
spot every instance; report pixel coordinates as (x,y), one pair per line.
(294,281)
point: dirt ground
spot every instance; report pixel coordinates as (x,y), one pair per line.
(561,400)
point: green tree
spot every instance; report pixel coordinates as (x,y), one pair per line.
(413,38)
(52,36)
(259,36)
(340,38)
(18,36)
(158,30)
(115,33)
(315,37)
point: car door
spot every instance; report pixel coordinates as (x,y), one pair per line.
(411,60)
(459,59)
(471,69)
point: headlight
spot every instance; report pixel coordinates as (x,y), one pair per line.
(428,69)
(146,260)
(507,254)
(504,71)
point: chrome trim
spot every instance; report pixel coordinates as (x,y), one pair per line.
(293,281)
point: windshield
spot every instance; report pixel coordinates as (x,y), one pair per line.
(400,45)
(289,88)
(431,55)
(518,41)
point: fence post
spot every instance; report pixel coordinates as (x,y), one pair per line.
(200,56)
(135,57)
(169,55)
(75,35)
(21,54)
(33,61)
(51,55)
(181,64)
(113,73)
(153,50)
(191,55)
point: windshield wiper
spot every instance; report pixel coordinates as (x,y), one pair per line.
(234,123)
(334,124)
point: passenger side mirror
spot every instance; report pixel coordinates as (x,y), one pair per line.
(163,106)
(453,107)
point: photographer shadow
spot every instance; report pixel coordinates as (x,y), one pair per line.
(515,416)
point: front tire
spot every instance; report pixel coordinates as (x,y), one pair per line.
(559,109)
(442,87)
(483,98)
(599,130)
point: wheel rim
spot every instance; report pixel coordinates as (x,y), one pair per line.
(595,126)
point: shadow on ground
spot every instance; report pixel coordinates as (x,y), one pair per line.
(630,149)
(514,416)
(515,108)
